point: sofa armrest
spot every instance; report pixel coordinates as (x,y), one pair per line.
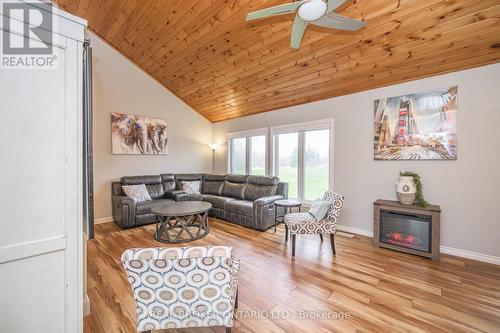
(263,212)
(267,200)
(177,195)
(124,209)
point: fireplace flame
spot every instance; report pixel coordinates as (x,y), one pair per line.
(398,237)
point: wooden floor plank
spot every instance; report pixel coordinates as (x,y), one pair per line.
(361,289)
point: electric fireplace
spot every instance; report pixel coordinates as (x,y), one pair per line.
(407,228)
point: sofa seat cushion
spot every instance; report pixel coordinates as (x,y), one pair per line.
(145,207)
(241,207)
(216,201)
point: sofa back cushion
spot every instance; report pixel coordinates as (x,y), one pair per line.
(263,180)
(234,190)
(282,189)
(254,192)
(213,184)
(153,184)
(138,193)
(261,186)
(232,178)
(168,181)
(187,177)
(191,187)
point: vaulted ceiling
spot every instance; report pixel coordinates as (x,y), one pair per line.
(205,52)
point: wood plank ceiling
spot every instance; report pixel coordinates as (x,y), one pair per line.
(205,52)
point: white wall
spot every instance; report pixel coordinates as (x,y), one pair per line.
(120,86)
(467,189)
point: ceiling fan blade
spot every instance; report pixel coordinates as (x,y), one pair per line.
(298,29)
(336,21)
(334,4)
(276,10)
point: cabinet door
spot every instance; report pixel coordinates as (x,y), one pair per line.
(40,228)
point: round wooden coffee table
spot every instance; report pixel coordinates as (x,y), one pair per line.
(184,221)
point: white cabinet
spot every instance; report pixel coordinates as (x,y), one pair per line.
(40,182)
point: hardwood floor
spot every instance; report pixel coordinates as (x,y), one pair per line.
(361,289)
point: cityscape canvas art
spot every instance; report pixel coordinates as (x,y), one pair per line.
(138,135)
(420,126)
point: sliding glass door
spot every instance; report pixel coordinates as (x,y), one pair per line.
(301,156)
(287,161)
(316,163)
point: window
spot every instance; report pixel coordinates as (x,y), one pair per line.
(248,152)
(258,155)
(301,156)
(238,155)
(316,163)
(286,147)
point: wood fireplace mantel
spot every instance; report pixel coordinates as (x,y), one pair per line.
(434,211)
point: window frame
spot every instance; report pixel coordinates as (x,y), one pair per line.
(272,149)
(247,135)
(301,129)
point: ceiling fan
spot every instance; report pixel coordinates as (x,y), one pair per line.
(317,12)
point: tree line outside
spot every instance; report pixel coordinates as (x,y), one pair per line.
(316,177)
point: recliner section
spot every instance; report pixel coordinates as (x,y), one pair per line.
(241,199)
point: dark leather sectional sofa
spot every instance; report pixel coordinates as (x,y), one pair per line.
(244,200)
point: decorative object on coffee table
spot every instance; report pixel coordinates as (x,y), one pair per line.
(407,228)
(287,206)
(409,189)
(183,221)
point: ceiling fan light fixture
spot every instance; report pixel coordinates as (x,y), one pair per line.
(313,10)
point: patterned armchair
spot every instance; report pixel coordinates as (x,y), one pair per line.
(183,287)
(305,223)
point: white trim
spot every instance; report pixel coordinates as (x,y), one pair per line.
(353,230)
(443,249)
(58,11)
(301,142)
(306,126)
(331,165)
(301,129)
(470,255)
(31,249)
(247,133)
(103,220)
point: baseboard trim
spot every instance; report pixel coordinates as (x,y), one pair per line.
(357,231)
(103,220)
(86,305)
(443,249)
(470,255)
